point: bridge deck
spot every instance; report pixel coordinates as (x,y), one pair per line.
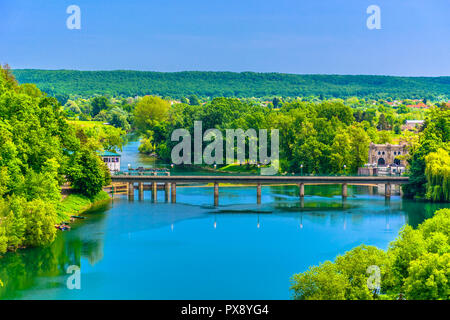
(265,179)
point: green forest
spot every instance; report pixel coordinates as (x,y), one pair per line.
(60,83)
(39,152)
(52,131)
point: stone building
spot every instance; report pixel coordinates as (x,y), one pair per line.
(387,154)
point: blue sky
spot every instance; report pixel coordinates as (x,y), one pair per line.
(289,36)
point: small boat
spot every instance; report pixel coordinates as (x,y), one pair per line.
(62,227)
(78,217)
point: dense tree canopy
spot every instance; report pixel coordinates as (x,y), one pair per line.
(428,164)
(38,149)
(416,266)
(61,83)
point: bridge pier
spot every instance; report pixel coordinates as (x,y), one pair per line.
(166,191)
(301,190)
(154,191)
(173,190)
(216,194)
(387,190)
(141,191)
(131,190)
(258,193)
(344,190)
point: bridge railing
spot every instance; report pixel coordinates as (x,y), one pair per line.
(221,173)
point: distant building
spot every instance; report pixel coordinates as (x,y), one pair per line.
(387,154)
(385,159)
(413,125)
(419,105)
(112,160)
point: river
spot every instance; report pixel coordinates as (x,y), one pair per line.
(192,250)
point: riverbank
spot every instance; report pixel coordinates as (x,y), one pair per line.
(76,204)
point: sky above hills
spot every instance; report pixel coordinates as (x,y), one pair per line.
(289,36)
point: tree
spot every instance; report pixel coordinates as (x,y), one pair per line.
(324,282)
(415,265)
(359,146)
(277,102)
(193,100)
(437,171)
(150,110)
(436,134)
(429,277)
(86,173)
(382,123)
(184,100)
(98,104)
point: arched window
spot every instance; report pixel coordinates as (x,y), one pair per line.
(381,162)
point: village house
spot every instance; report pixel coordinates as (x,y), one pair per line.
(413,125)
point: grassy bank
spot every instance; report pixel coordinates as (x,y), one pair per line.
(76,204)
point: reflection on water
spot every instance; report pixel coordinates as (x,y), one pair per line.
(193,250)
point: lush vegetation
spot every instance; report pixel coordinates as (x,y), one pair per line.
(60,83)
(39,150)
(75,204)
(415,266)
(325,137)
(429,160)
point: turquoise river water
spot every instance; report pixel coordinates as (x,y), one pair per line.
(193,250)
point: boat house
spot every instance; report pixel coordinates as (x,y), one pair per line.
(112,160)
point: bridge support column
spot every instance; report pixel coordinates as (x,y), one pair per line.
(387,190)
(258,193)
(173,189)
(131,190)
(216,194)
(141,190)
(301,190)
(344,190)
(166,191)
(154,191)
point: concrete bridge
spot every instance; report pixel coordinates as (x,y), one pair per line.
(169,183)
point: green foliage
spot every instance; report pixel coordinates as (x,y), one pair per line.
(229,84)
(87,173)
(193,100)
(416,265)
(149,112)
(37,149)
(436,135)
(323,282)
(437,171)
(75,204)
(345,279)
(323,137)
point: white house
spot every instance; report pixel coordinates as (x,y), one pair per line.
(112,160)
